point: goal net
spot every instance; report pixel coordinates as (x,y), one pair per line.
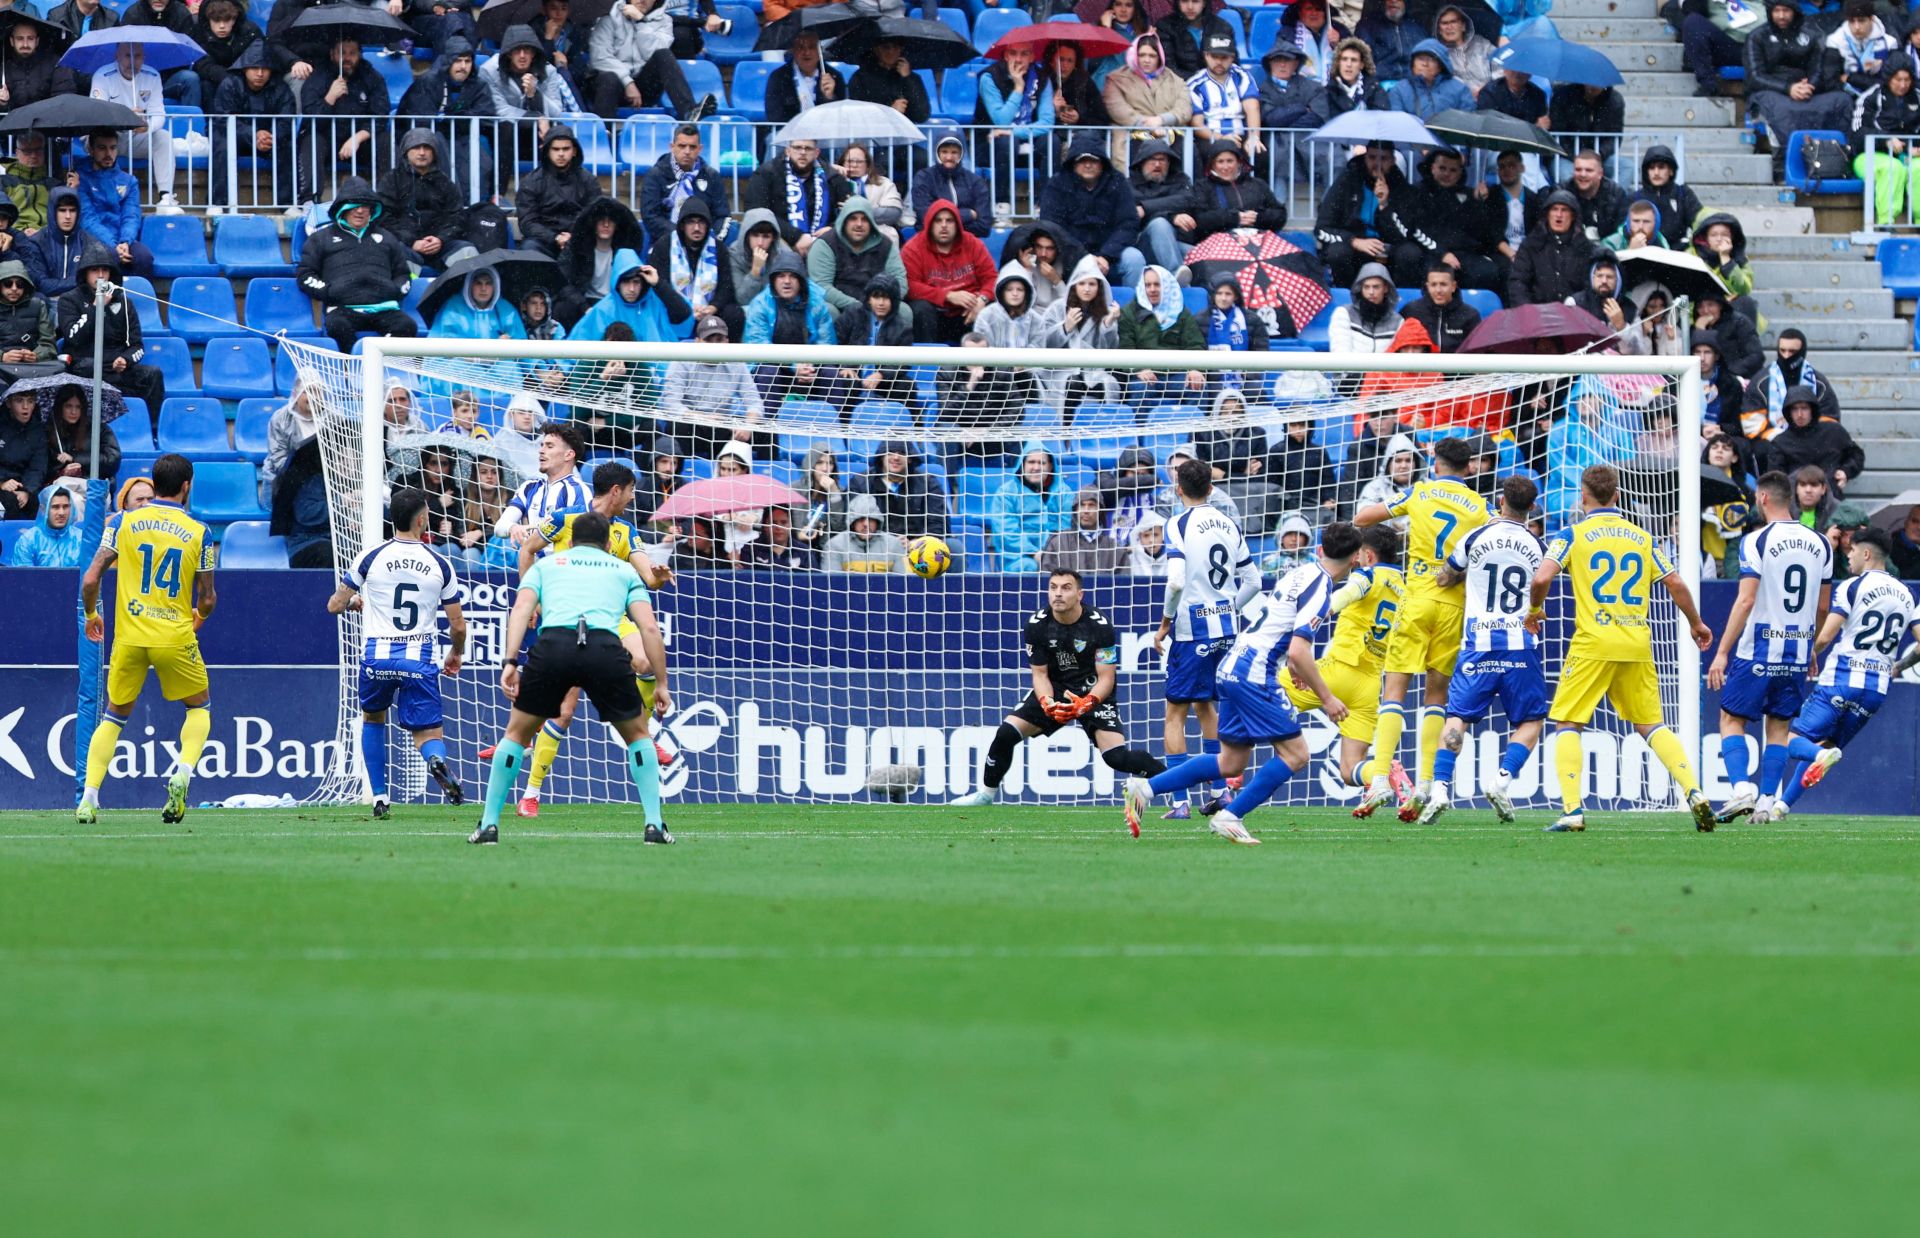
(808,664)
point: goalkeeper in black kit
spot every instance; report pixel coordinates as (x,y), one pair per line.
(1074,652)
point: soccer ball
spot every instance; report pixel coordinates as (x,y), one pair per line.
(930,558)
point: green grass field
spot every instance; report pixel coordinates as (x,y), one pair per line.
(915,1021)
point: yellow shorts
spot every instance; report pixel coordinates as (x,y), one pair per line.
(1632,687)
(629,628)
(182,673)
(1356,687)
(1426,636)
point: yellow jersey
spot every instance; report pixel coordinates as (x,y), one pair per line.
(557,529)
(1439,511)
(161,552)
(1360,633)
(1613,564)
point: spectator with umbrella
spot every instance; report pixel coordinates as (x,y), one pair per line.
(1721,243)
(1604,298)
(110,202)
(1793,79)
(804,80)
(633,62)
(1230,197)
(1458,227)
(263,110)
(1076,97)
(949,179)
(565,43)
(349,96)
(1161,195)
(551,197)
(479,310)
(697,268)
(79,322)
(1016,107)
(68,408)
(1357,221)
(1145,96)
(182,84)
(30,68)
(356,271)
(1184,33)
(132,85)
(883,74)
(26,180)
(1091,200)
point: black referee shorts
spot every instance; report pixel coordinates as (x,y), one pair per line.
(1102,717)
(601,668)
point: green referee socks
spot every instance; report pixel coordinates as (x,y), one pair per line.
(507,758)
(644,765)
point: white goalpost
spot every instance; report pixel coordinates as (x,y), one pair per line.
(851,685)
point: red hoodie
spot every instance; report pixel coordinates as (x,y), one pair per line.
(931,275)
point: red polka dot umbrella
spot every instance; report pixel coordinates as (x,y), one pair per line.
(1274,275)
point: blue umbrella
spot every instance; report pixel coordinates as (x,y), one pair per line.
(1558,61)
(1372,126)
(94,51)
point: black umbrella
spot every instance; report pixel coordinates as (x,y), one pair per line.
(328,24)
(826,20)
(46,390)
(499,15)
(518,270)
(53,39)
(70,116)
(1717,488)
(927,44)
(1493,131)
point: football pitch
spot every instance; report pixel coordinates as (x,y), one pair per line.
(876,1020)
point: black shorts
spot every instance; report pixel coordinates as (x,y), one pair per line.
(1102,717)
(559,663)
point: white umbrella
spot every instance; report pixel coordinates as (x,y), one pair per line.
(837,124)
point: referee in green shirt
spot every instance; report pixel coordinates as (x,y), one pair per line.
(582,593)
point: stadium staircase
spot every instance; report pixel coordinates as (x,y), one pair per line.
(1807,271)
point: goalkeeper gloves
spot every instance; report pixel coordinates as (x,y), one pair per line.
(1071,708)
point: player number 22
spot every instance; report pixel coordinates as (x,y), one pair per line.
(163,576)
(1630,566)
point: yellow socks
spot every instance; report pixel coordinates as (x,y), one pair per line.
(1432,722)
(193,737)
(1673,754)
(645,684)
(545,748)
(1386,737)
(106,736)
(1570,762)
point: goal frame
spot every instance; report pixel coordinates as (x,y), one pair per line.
(377,351)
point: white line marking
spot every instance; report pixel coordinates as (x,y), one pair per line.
(615,953)
(334,831)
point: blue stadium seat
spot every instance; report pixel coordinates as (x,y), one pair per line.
(992,23)
(873,421)
(795,447)
(643,139)
(169,352)
(134,429)
(997,242)
(1195,300)
(1123,296)
(237,367)
(1263,26)
(703,78)
(957,19)
(750,88)
(284,374)
(195,427)
(596,147)
(225,491)
(277,304)
(973,492)
(247,544)
(1234,18)
(1102,432)
(179,245)
(970,543)
(136,464)
(736,45)
(397,70)
(201,307)
(960,91)
(1481,299)
(250,423)
(1899,258)
(1041,417)
(701,470)
(146,303)
(248,245)
(1797,177)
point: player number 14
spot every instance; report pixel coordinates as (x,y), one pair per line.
(165,575)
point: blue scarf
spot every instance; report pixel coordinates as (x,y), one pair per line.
(1227,330)
(798,213)
(1030,96)
(694,279)
(682,189)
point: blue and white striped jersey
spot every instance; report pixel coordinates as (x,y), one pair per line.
(1298,605)
(1791,562)
(537,499)
(1498,561)
(1213,554)
(1221,106)
(1878,610)
(402,586)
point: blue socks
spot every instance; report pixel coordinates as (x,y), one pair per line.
(1443,763)
(507,758)
(1773,768)
(1189,773)
(434,749)
(1516,756)
(1211,747)
(1270,777)
(373,749)
(1800,748)
(643,765)
(1733,755)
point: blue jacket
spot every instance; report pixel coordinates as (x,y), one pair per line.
(1024,518)
(110,205)
(763,311)
(1410,94)
(1100,216)
(1392,43)
(1000,109)
(45,546)
(651,317)
(53,259)
(461,319)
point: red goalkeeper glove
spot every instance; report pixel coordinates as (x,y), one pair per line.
(1059,711)
(1079,706)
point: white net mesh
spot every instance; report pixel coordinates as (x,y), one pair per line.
(808,662)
